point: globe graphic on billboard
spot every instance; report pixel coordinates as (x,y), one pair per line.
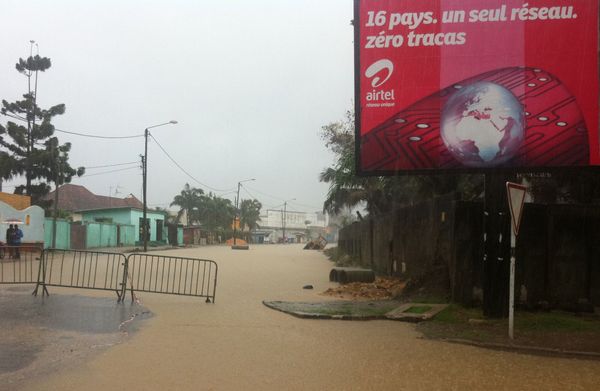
(482,124)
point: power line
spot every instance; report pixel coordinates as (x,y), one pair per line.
(183,170)
(108,172)
(95,136)
(80,134)
(111,165)
(246,190)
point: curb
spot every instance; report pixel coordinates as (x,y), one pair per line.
(522,348)
(309,315)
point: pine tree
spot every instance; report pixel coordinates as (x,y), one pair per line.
(31,150)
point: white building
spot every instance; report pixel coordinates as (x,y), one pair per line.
(275,224)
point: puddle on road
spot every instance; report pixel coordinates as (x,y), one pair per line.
(39,333)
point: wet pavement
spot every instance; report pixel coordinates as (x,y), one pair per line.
(39,332)
(238,343)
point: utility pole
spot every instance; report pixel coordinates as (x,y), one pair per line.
(145,184)
(235,218)
(237,201)
(145,224)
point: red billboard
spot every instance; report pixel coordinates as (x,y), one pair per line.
(475,85)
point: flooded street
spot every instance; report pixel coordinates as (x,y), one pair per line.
(239,344)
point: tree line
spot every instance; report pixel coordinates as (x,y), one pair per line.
(214,213)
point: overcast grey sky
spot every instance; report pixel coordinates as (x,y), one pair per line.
(250,83)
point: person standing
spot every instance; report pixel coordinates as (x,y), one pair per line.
(9,240)
(17,236)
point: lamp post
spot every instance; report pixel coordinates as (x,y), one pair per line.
(237,201)
(285,217)
(145,224)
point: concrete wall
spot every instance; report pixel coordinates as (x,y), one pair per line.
(63,233)
(180,235)
(128,216)
(32,218)
(128,235)
(96,234)
(101,235)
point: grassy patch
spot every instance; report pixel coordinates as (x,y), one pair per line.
(455,314)
(555,321)
(418,309)
(556,330)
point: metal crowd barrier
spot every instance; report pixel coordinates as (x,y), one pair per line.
(114,272)
(19,264)
(172,275)
(83,269)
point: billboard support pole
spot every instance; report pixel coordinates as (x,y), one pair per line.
(496,246)
(511,291)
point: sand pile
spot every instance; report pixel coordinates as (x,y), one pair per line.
(382,288)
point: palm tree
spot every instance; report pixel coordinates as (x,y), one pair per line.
(214,212)
(346,189)
(188,200)
(379,195)
(250,214)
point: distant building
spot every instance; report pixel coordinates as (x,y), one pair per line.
(298,226)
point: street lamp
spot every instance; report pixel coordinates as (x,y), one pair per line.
(237,201)
(285,217)
(145,180)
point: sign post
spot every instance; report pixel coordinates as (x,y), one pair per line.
(516,199)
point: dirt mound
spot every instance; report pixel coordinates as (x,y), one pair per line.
(383,288)
(238,242)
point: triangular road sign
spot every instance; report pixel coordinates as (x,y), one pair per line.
(516,199)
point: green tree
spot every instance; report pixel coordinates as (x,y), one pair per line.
(250,214)
(346,189)
(189,201)
(223,213)
(380,195)
(30,148)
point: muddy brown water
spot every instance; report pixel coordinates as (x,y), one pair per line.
(239,344)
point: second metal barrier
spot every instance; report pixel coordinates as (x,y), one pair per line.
(172,275)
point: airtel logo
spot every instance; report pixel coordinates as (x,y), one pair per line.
(375,69)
